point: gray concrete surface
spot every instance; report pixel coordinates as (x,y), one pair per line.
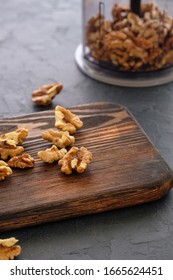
(37,44)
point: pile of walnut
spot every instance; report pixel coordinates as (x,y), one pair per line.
(9,249)
(9,148)
(66,123)
(76,158)
(130,42)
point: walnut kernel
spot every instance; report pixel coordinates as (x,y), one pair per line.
(77,159)
(45,94)
(66,120)
(15,137)
(52,154)
(22,161)
(59,138)
(9,249)
(9,151)
(5,170)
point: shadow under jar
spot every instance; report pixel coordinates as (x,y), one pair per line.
(133,38)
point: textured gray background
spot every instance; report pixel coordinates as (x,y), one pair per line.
(37,44)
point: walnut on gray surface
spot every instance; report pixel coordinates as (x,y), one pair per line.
(8,249)
(45,94)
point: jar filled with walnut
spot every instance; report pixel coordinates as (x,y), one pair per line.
(128,36)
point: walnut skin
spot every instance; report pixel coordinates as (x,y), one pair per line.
(22,161)
(45,94)
(76,159)
(9,249)
(61,139)
(5,170)
(15,137)
(66,120)
(52,154)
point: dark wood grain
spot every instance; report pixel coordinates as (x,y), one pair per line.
(126,169)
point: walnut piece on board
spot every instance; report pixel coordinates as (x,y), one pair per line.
(5,170)
(66,120)
(76,159)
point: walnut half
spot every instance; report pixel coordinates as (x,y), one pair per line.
(9,249)
(52,154)
(15,137)
(8,150)
(77,159)
(66,120)
(22,161)
(59,138)
(45,94)
(5,170)
(9,142)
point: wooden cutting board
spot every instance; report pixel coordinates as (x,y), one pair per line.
(126,169)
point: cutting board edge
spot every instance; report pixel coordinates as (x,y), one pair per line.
(39,216)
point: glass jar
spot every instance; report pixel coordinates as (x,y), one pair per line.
(127,39)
